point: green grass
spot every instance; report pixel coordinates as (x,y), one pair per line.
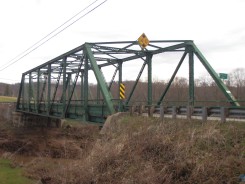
(10,175)
(7,99)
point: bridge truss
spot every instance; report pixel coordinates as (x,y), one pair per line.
(59,88)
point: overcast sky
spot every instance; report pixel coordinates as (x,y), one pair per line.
(216,26)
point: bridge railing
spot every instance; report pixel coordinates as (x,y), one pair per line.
(196,112)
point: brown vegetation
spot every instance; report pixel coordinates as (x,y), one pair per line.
(134,150)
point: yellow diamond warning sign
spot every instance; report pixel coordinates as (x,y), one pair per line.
(143,41)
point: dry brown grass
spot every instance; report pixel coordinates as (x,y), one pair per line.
(131,150)
(143,150)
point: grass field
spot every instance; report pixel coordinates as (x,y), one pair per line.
(7,99)
(10,175)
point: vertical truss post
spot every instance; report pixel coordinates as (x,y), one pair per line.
(215,76)
(38,88)
(98,92)
(49,88)
(82,81)
(29,93)
(21,92)
(191,76)
(64,89)
(69,84)
(149,63)
(120,107)
(24,94)
(171,79)
(85,89)
(100,79)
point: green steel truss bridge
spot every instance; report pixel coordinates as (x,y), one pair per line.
(59,88)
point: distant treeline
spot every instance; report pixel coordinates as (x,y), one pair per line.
(206,91)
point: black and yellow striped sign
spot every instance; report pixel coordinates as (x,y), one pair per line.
(122,91)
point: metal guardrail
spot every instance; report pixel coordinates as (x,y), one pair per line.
(204,113)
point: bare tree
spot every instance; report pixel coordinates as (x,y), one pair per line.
(237,79)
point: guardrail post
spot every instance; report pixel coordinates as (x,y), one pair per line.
(161,112)
(132,109)
(174,112)
(141,109)
(223,114)
(188,112)
(204,114)
(151,111)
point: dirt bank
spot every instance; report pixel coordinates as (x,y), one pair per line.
(130,150)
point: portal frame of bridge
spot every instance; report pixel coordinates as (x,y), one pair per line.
(39,86)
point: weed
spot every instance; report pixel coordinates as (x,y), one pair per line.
(9,174)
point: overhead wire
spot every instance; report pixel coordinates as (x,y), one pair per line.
(36,45)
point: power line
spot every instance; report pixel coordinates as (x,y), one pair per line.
(50,33)
(31,49)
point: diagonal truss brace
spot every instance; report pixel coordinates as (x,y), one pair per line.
(215,76)
(100,79)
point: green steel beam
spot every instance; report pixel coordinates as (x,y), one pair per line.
(98,92)
(43,88)
(64,88)
(158,51)
(24,91)
(68,83)
(120,108)
(29,93)
(70,94)
(100,79)
(191,76)
(21,92)
(55,89)
(215,76)
(85,90)
(49,88)
(171,79)
(113,77)
(135,84)
(38,92)
(118,50)
(149,64)
(82,83)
